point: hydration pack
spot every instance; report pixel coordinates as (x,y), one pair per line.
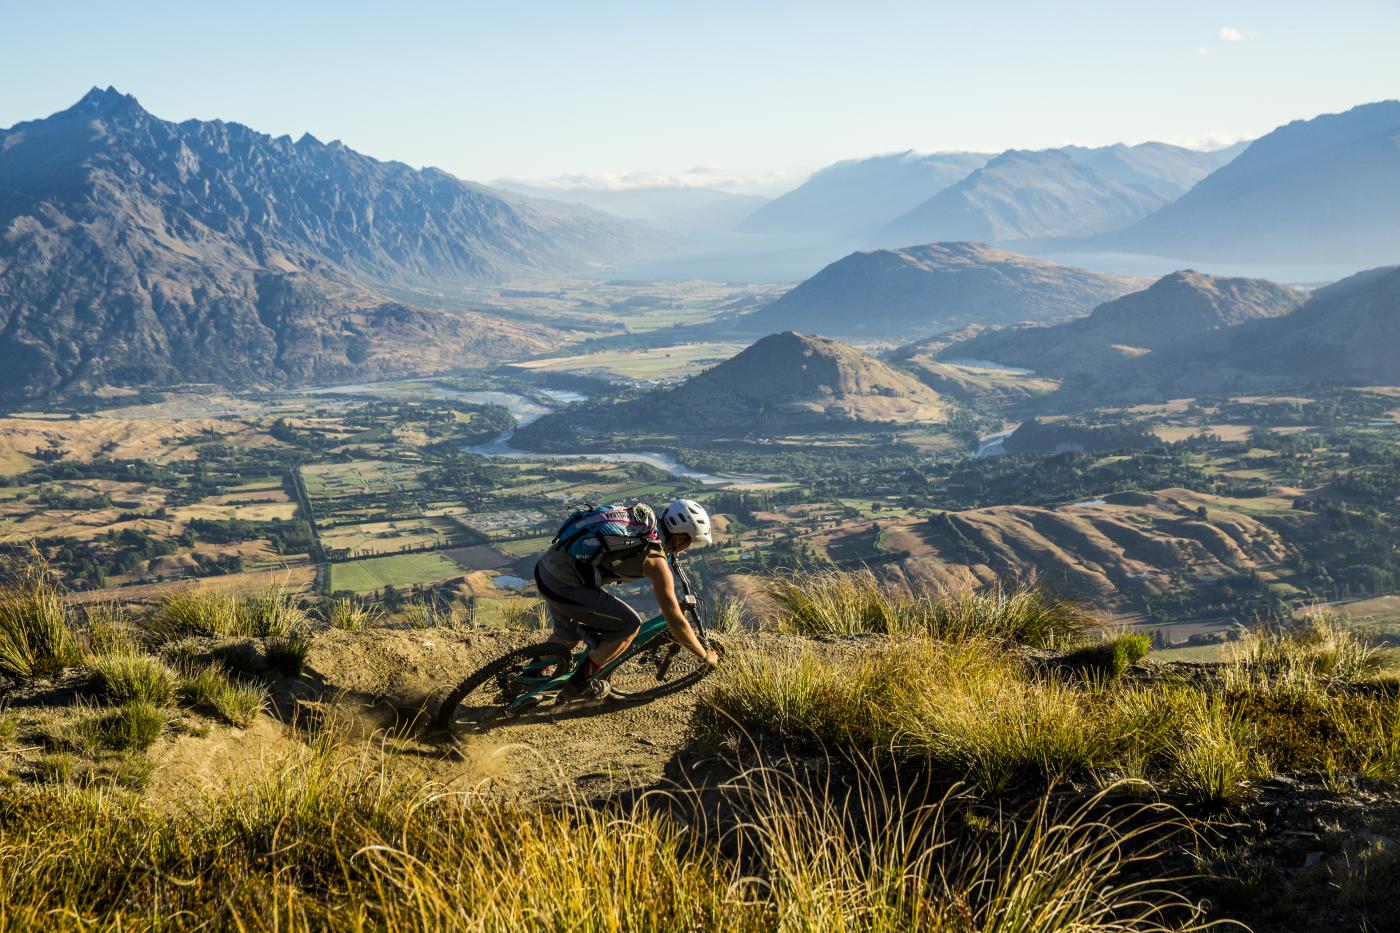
(600,538)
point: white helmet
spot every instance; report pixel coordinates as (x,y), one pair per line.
(688,517)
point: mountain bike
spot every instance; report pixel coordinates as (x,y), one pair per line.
(526,682)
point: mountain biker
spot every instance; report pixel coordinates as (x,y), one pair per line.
(600,546)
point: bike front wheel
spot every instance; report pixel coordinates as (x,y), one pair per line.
(658,670)
(489,695)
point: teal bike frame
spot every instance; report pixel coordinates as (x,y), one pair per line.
(650,630)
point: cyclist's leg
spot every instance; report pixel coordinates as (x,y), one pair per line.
(606,614)
(565,629)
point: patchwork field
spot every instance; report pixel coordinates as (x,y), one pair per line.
(389,537)
(399,570)
(358,478)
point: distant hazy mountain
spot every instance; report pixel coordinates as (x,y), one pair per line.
(1314,191)
(923,289)
(1069,192)
(782,381)
(1176,308)
(1157,169)
(137,250)
(854,199)
(681,209)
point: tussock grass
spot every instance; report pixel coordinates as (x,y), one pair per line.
(1300,659)
(964,707)
(1108,659)
(127,675)
(109,629)
(55,767)
(531,615)
(973,713)
(194,614)
(728,618)
(287,653)
(274,614)
(351,615)
(214,614)
(346,845)
(209,689)
(837,602)
(135,724)
(36,637)
(1212,757)
(427,614)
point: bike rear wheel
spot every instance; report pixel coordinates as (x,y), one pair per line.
(660,669)
(485,698)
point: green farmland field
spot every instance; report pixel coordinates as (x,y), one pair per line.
(374,573)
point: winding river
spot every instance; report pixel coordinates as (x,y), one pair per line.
(526,410)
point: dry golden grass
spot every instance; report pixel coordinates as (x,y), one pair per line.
(336,842)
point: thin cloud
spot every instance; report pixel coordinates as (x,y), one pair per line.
(1206,142)
(1202,50)
(700,176)
(1231,34)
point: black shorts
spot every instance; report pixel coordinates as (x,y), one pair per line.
(590,613)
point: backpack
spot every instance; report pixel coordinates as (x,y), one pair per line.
(599,538)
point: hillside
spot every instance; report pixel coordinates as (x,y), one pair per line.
(784,381)
(140,251)
(1320,190)
(922,289)
(1345,334)
(1053,193)
(1173,309)
(855,198)
(1131,546)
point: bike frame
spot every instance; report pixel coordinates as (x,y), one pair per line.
(650,630)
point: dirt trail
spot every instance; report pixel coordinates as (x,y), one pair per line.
(386,683)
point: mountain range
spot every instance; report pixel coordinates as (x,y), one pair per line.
(1313,191)
(852,200)
(1176,308)
(883,294)
(136,250)
(1069,192)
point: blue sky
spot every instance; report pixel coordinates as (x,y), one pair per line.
(711,91)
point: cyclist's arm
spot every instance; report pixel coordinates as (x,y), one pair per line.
(658,572)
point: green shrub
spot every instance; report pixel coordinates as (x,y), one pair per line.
(133,725)
(36,639)
(1108,659)
(130,676)
(9,726)
(209,689)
